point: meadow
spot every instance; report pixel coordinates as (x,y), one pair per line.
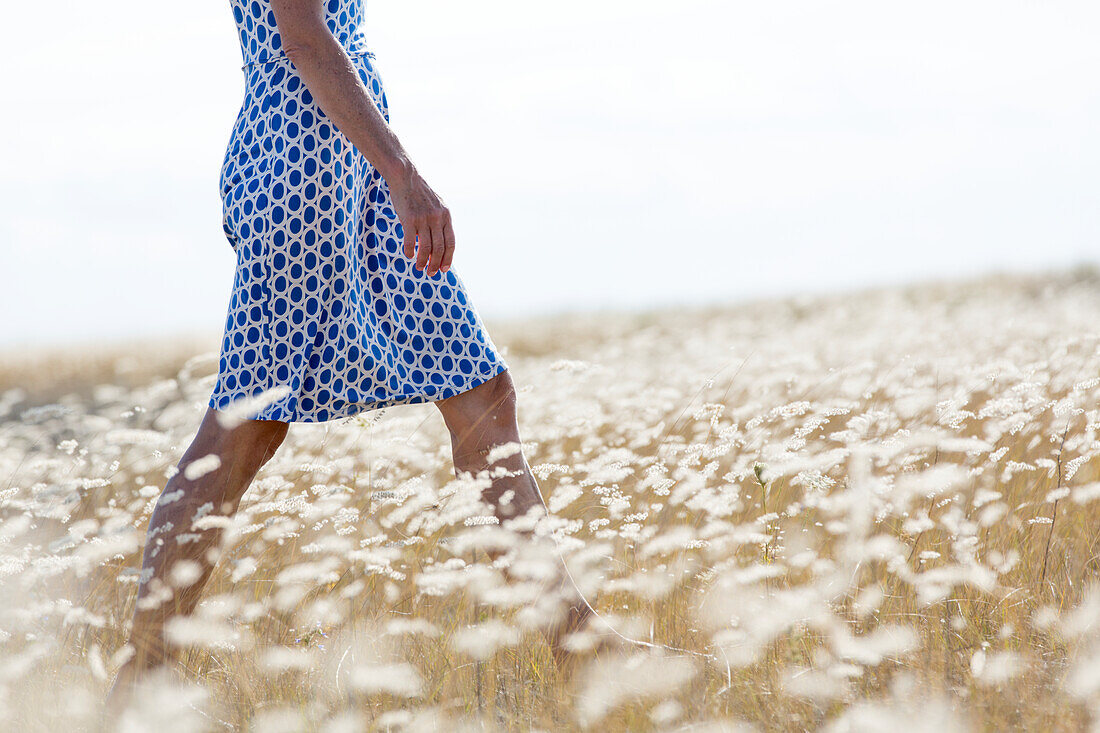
(862,512)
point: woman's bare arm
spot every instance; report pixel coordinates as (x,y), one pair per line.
(335,85)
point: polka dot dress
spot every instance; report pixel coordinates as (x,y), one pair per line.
(327,317)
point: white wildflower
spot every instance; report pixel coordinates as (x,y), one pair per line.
(483,640)
(400,679)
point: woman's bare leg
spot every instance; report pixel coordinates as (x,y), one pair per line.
(483,417)
(172,542)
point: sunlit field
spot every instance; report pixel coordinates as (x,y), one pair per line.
(877,511)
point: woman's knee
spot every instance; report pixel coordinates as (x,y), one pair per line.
(500,399)
(247,446)
(486,410)
(258,445)
(275,437)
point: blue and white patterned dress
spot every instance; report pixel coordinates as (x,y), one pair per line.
(326,309)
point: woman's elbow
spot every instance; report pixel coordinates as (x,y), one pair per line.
(298,47)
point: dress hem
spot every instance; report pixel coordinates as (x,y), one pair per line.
(355,408)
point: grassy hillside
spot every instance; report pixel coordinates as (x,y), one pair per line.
(864,512)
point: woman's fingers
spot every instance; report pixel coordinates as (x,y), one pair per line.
(439,246)
(435,243)
(424,250)
(408,245)
(428,238)
(449,243)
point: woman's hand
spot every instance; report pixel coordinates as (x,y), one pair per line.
(426,222)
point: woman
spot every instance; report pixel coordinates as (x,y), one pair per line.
(329,315)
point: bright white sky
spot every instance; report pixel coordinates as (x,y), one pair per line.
(595,153)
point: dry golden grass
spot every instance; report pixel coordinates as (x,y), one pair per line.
(873,512)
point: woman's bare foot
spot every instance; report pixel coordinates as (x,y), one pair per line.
(121,693)
(560,636)
(581,633)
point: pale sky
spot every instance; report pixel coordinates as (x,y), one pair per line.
(594,153)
